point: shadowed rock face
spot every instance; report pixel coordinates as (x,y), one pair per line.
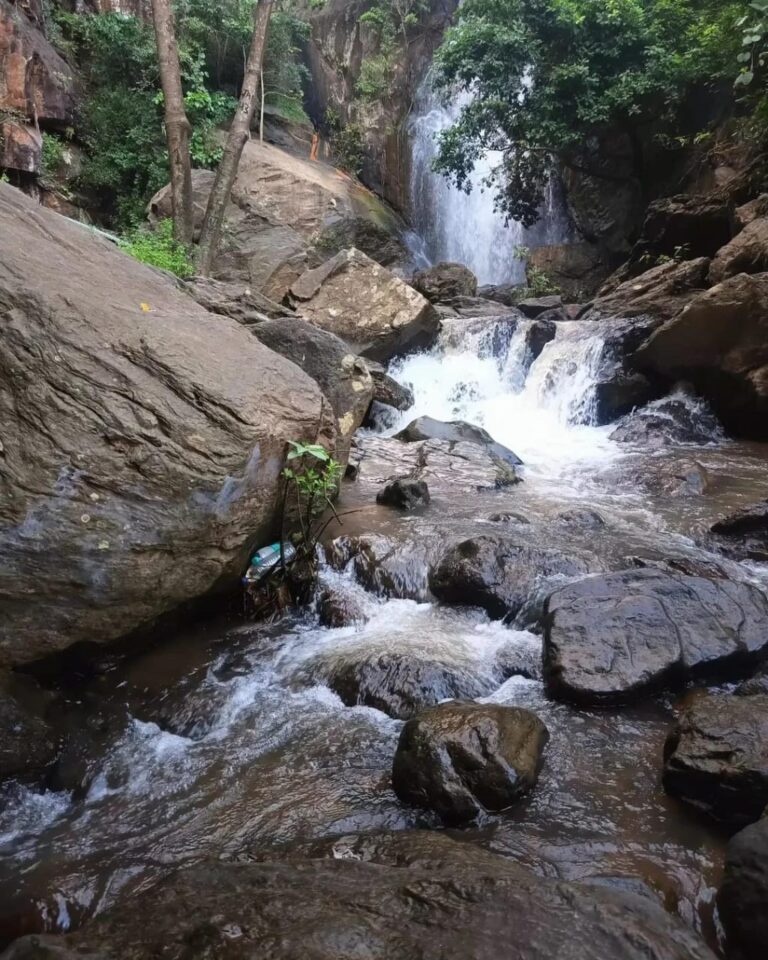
(608,638)
(382,897)
(742,901)
(462,758)
(141,438)
(427,428)
(717,757)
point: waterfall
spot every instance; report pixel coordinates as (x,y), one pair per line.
(449,224)
(542,408)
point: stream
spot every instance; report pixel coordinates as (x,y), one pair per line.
(226,736)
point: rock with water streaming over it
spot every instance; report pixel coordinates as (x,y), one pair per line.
(389,568)
(742,901)
(535,306)
(445,281)
(371,309)
(716,757)
(612,637)
(387,390)
(427,428)
(404,494)
(499,574)
(379,896)
(402,684)
(744,535)
(676,419)
(460,759)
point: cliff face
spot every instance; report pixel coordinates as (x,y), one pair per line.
(37,87)
(335,53)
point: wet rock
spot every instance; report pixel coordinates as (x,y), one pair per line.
(716,757)
(473,308)
(370,308)
(460,759)
(497,574)
(457,431)
(141,448)
(388,391)
(404,494)
(538,334)
(236,300)
(746,253)
(506,294)
(677,419)
(756,685)
(508,518)
(387,567)
(442,464)
(535,306)
(719,344)
(619,387)
(445,281)
(401,684)
(88,732)
(660,292)
(612,637)
(342,376)
(410,894)
(742,901)
(744,535)
(28,742)
(620,391)
(336,610)
(582,517)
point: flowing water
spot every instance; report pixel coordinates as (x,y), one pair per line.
(226,735)
(450,224)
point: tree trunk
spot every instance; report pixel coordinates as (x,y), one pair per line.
(177,126)
(238,135)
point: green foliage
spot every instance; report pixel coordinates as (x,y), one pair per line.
(159,249)
(346,142)
(538,283)
(548,75)
(754,44)
(391,21)
(51,158)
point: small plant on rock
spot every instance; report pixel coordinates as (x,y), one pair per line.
(158,248)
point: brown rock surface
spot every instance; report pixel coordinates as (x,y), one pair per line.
(746,253)
(141,438)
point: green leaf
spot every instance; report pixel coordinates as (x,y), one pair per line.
(744,79)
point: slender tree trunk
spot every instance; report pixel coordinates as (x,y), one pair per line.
(238,135)
(261,111)
(177,126)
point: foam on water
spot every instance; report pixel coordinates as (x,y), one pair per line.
(544,411)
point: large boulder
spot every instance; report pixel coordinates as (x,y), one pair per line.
(576,269)
(342,376)
(370,308)
(141,438)
(744,535)
(285,214)
(661,291)
(460,759)
(37,84)
(445,281)
(716,757)
(720,343)
(608,638)
(742,901)
(676,419)
(236,300)
(379,896)
(457,431)
(746,253)
(498,574)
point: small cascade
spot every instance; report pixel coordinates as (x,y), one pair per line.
(450,224)
(483,372)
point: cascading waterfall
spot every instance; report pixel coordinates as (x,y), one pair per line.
(541,408)
(464,227)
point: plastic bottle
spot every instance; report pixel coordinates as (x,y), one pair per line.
(266,559)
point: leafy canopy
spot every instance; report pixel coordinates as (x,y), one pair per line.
(545,75)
